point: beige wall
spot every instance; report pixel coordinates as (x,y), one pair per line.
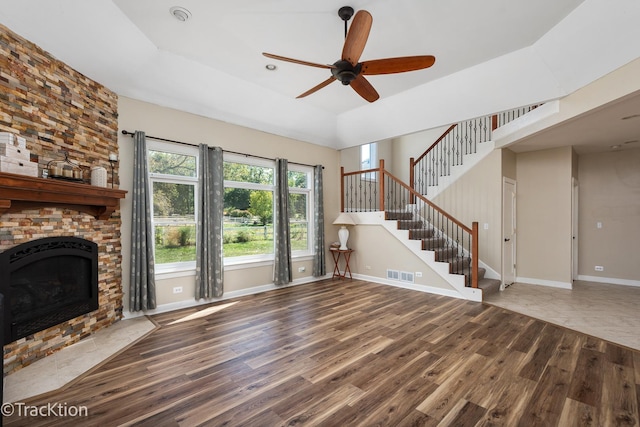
(609,193)
(477,196)
(172,124)
(350,157)
(543,216)
(376,250)
(413,145)
(509,164)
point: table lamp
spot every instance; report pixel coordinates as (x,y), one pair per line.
(343,220)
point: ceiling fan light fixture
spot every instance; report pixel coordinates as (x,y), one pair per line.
(180,13)
(345,72)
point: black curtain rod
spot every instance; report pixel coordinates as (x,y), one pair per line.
(124,132)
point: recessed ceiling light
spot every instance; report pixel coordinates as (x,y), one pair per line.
(180,13)
(633,116)
(270,67)
(615,147)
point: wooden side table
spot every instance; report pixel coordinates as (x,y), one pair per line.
(337,254)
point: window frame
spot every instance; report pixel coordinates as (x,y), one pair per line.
(308,191)
(373,160)
(154,145)
(177,269)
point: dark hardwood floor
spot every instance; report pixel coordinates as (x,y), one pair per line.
(351,353)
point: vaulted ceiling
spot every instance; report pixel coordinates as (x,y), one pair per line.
(490,56)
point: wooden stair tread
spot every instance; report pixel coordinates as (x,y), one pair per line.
(443,252)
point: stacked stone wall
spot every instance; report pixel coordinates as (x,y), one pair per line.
(60,111)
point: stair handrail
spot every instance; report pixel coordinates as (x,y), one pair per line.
(413,162)
(473,230)
(495,120)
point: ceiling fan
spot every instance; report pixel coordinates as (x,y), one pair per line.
(351,72)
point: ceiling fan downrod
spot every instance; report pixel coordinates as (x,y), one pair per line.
(345,13)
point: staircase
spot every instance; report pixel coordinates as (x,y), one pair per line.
(444,249)
(447,245)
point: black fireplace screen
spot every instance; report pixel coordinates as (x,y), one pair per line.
(46,282)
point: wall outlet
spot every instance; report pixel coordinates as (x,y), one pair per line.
(599,268)
(301,269)
(177,290)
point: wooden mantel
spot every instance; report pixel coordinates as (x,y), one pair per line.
(18,192)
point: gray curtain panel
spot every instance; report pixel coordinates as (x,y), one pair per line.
(319,250)
(282,273)
(142,288)
(209,257)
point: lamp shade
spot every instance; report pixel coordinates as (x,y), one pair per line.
(344,219)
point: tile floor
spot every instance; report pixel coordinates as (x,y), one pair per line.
(610,312)
(605,311)
(56,370)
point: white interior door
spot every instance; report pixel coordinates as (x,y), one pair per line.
(508,232)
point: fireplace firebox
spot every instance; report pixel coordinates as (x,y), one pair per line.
(46,282)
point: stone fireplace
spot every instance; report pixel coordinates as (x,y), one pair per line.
(58,110)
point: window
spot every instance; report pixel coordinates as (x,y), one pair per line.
(173,177)
(249,186)
(300,209)
(369,160)
(368,156)
(249,207)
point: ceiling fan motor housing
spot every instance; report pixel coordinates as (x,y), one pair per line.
(345,72)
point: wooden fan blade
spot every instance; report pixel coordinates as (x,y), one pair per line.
(317,87)
(357,37)
(397,65)
(297,61)
(364,88)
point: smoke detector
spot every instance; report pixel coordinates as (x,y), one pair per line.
(180,13)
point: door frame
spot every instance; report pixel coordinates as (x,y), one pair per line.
(574,227)
(511,182)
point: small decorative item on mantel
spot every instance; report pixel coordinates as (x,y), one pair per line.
(65,170)
(98,176)
(14,156)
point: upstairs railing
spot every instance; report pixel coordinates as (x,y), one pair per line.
(453,145)
(378,190)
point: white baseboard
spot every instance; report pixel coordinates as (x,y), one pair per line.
(412,286)
(610,280)
(542,282)
(164,308)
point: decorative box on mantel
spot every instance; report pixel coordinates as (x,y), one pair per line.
(14,159)
(19,192)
